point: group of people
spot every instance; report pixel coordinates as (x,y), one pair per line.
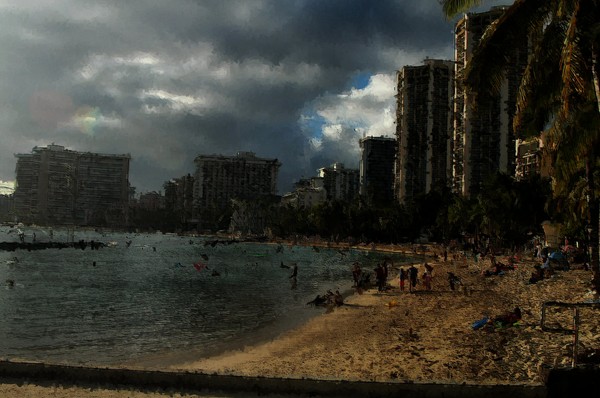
(498,268)
(381,275)
(410,276)
(507,319)
(328,299)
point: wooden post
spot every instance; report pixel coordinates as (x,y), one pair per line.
(575,336)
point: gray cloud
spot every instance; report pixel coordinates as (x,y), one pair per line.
(166,81)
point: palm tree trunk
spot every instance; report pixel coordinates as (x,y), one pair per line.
(595,74)
(593,220)
(593,208)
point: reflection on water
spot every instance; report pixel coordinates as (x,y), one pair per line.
(125,303)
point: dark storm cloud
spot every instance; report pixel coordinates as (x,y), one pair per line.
(166,81)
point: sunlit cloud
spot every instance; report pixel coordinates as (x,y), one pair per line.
(7,187)
(161,101)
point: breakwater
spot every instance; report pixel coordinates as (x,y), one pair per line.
(13,246)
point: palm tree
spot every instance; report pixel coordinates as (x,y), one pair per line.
(560,89)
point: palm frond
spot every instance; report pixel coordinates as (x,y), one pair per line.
(500,45)
(538,98)
(453,7)
(575,135)
(572,62)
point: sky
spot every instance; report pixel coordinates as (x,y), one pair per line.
(165,81)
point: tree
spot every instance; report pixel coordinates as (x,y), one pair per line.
(560,89)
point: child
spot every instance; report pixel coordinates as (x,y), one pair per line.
(403,277)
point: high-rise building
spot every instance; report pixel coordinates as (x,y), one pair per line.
(377,166)
(179,197)
(57,186)
(219,178)
(424,128)
(483,137)
(307,193)
(339,182)
(533,158)
(6,208)
(529,158)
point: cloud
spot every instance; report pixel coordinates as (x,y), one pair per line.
(346,117)
(166,81)
(6,187)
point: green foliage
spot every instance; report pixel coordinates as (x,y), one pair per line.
(506,211)
(559,91)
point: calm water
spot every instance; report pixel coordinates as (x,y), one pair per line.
(148,300)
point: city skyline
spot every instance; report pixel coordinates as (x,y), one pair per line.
(300,82)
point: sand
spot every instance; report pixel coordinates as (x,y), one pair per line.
(420,336)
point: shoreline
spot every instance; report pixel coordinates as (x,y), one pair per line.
(169,360)
(420,337)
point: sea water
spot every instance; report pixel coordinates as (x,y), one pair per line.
(125,304)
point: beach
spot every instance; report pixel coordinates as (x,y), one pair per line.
(402,336)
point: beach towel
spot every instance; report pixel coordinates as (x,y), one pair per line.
(480,323)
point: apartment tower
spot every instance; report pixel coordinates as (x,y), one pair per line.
(339,182)
(219,178)
(483,137)
(377,165)
(424,128)
(179,197)
(57,186)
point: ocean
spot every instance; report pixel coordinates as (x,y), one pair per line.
(127,304)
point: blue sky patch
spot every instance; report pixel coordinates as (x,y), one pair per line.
(360,80)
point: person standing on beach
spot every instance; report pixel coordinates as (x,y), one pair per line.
(403,277)
(385,271)
(427,280)
(413,274)
(380,276)
(356,273)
